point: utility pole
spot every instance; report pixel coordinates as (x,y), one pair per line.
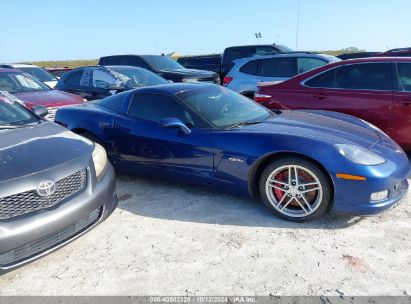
(298,25)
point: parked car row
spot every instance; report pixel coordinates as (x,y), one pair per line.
(291,148)
(223,63)
(163,66)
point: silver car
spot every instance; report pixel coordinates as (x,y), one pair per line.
(54,185)
(248,72)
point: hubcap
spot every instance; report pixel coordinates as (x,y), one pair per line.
(294,191)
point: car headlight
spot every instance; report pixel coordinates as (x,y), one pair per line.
(99,159)
(189,80)
(84,100)
(360,156)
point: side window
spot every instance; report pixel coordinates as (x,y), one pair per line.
(74,78)
(279,67)
(154,107)
(251,67)
(102,79)
(404,76)
(306,64)
(324,80)
(368,76)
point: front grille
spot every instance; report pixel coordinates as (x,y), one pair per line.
(26,202)
(48,242)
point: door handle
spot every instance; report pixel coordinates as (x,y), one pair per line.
(320,97)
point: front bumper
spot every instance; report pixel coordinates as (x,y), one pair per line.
(354,197)
(26,238)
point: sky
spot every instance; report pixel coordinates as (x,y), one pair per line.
(34,30)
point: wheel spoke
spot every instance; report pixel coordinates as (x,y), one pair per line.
(301,205)
(296,174)
(278,188)
(310,184)
(309,190)
(306,202)
(275,181)
(281,200)
(289,175)
(286,204)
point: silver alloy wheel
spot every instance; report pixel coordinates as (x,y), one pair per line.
(298,193)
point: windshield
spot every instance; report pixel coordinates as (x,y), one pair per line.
(224,108)
(162,63)
(39,73)
(283,48)
(135,77)
(13,82)
(12,113)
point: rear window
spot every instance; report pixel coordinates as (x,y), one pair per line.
(110,60)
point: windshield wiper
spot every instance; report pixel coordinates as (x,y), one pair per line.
(245,123)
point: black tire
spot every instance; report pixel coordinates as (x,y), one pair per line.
(323,203)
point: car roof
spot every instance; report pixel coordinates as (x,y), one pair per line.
(108,67)
(377,59)
(20,65)
(172,88)
(128,55)
(287,55)
(8,70)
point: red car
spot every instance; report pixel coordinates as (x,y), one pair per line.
(34,93)
(377,90)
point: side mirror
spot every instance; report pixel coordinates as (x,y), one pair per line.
(175,123)
(40,111)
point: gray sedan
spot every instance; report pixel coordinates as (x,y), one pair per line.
(248,72)
(54,184)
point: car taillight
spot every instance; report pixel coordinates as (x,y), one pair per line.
(261,97)
(227,80)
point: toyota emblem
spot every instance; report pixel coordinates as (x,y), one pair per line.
(46,188)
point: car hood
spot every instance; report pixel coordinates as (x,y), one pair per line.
(188,73)
(51,98)
(33,149)
(321,126)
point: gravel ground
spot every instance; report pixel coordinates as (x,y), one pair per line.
(167,239)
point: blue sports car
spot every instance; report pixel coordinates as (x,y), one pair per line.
(301,164)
